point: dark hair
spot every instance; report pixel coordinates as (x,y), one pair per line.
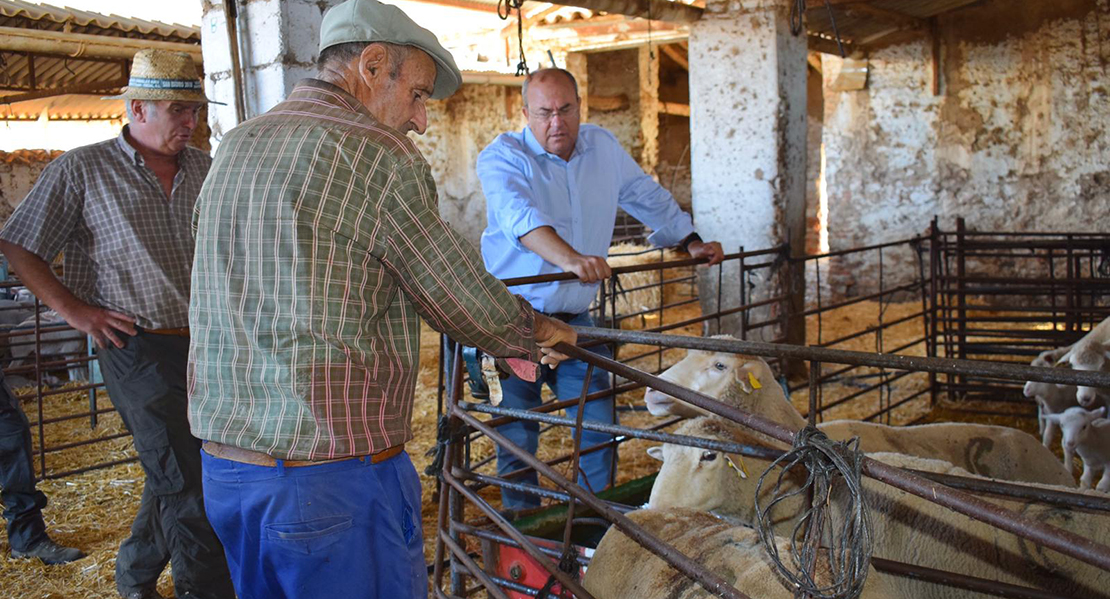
(528,79)
(346,52)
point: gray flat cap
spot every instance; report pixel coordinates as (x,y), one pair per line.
(372,21)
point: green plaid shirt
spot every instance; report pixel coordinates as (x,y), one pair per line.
(319,243)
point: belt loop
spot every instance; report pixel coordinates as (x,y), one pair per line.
(280,465)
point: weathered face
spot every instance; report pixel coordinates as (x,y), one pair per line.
(552,110)
(165,126)
(397,96)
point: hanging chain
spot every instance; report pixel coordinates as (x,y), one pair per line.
(505,10)
(797,22)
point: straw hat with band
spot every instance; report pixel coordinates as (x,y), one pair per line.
(372,21)
(163,75)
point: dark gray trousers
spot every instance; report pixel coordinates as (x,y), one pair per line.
(146,382)
(23,503)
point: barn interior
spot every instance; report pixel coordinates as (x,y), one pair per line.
(904,179)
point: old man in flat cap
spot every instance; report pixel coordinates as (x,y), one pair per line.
(319,249)
(119,211)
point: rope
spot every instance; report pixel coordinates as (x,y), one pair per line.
(445,433)
(568,563)
(849,542)
(505,10)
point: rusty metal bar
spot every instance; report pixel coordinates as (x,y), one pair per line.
(710,581)
(977,485)
(960,581)
(475,571)
(529,548)
(1051,537)
(623,270)
(839,356)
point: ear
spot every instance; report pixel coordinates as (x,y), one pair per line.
(1053,418)
(741,378)
(1100,413)
(656,452)
(373,65)
(139,110)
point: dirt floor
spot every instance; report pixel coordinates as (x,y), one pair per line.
(94,510)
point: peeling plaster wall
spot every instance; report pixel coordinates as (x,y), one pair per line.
(612,74)
(18,173)
(459,128)
(1015,141)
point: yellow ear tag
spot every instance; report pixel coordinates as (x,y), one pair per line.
(742,472)
(754,381)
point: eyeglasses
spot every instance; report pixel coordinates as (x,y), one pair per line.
(546,114)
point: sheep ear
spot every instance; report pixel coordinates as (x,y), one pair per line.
(1053,418)
(1101,412)
(656,452)
(740,376)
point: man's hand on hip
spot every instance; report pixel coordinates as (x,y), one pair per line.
(550,332)
(590,269)
(102,325)
(707,249)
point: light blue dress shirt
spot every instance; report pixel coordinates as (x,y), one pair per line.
(526,188)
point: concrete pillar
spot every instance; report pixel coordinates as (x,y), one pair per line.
(747,147)
(648,59)
(277,47)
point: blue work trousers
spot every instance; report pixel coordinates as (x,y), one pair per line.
(566,382)
(341,530)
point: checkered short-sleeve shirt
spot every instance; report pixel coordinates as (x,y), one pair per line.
(126,247)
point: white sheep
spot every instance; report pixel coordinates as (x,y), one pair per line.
(906,528)
(1092,354)
(1087,433)
(746,382)
(1050,397)
(621,568)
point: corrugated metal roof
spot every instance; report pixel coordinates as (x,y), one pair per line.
(56,72)
(16,13)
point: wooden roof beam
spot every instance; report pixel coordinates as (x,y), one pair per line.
(656,10)
(80,88)
(676,56)
(80,45)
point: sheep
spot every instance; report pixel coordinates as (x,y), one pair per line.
(906,528)
(1086,432)
(1050,397)
(621,568)
(1092,354)
(747,382)
(54,345)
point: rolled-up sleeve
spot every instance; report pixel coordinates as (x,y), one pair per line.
(441,273)
(44,220)
(650,204)
(509,198)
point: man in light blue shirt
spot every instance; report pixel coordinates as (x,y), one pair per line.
(552,192)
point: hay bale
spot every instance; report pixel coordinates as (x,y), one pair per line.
(644,291)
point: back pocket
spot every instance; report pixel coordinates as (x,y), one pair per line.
(310,536)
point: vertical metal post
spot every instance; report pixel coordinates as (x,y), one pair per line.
(455,510)
(961,297)
(38,388)
(744,314)
(814,392)
(928,314)
(1072,320)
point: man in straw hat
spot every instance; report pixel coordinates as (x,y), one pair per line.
(319,247)
(119,211)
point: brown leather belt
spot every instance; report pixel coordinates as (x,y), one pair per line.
(180,332)
(257,458)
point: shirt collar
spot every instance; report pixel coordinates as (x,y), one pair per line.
(322,91)
(127,148)
(581,146)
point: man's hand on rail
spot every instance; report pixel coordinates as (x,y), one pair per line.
(707,249)
(550,332)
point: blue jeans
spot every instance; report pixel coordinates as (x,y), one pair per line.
(566,381)
(342,530)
